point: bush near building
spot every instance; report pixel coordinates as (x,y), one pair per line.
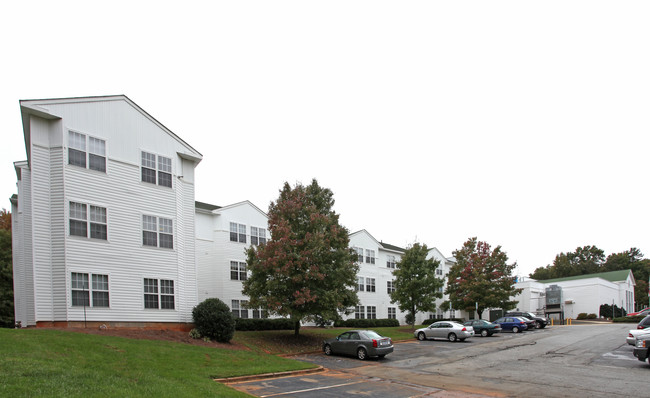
(213,319)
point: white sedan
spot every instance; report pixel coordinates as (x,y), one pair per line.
(449,330)
(634,333)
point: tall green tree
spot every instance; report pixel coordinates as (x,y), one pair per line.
(416,284)
(306,271)
(584,260)
(481,278)
(632,259)
(6,272)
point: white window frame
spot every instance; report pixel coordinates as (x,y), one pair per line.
(90,289)
(359,312)
(390,286)
(359,252)
(370,285)
(239,270)
(390,261)
(92,148)
(237,231)
(258,235)
(90,217)
(370,256)
(361,283)
(371,312)
(157,227)
(239,308)
(161,293)
(392,313)
(161,166)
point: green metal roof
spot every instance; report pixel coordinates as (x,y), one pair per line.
(391,247)
(612,276)
(205,206)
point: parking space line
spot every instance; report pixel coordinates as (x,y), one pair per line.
(310,389)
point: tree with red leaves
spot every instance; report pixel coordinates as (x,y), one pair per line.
(481,276)
(306,271)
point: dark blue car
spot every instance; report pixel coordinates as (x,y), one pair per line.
(512,323)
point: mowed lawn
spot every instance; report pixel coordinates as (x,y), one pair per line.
(53,363)
(67,364)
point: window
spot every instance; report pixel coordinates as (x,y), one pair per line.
(240,308)
(237,232)
(237,271)
(79,221)
(359,312)
(258,236)
(392,313)
(95,157)
(159,294)
(441,289)
(372,312)
(438,271)
(360,283)
(82,291)
(156,169)
(370,256)
(370,284)
(390,262)
(157,232)
(359,253)
(259,313)
(390,286)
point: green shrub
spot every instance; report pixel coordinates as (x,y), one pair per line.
(244,324)
(195,334)
(592,316)
(629,319)
(582,315)
(214,320)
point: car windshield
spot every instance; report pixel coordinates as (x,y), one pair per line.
(371,334)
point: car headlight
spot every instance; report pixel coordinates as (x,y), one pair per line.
(640,343)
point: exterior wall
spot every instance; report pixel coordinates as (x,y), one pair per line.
(379,271)
(215,251)
(56,254)
(578,296)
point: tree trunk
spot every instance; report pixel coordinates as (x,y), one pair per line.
(296,328)
(480,313)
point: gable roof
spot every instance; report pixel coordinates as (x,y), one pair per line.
(37,107)
(205,206)
(612,276)
(219,209)
(392,247)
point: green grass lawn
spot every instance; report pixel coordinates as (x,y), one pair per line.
(67,364)
(53,363)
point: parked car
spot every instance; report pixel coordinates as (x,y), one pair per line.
(645,323)
(483,327)
(636,333)
(449,330)
(641,348)
(540,322)
(360,343)
(514,324)
(645,311)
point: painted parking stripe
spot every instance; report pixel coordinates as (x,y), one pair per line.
(310,389)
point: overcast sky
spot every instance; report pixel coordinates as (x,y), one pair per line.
(525,124)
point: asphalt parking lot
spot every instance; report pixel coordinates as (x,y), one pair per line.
(590,361)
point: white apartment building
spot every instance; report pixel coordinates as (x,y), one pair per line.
(103,223)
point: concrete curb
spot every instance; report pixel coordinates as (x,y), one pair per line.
(240,379)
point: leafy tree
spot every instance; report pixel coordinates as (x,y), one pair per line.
(481,276)
(6,272)
(584,260)
(416,285)
(306,270)
(633,260)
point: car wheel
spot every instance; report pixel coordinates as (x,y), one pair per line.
(515,329)
(538,325)
(421,336)
(484,333)
(361,353)
(452,337)
(327,349)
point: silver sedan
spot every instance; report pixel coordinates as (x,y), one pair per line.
(360,343)
(449,330)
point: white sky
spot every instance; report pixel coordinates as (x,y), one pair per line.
(522,123)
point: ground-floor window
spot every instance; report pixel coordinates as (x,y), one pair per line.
(392,313)
(159,294)
(371,312)
(83,291)
(359,312)
(259,313)
(239,308)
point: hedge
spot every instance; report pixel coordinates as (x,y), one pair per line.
(246,324)
(366,323)
(629,319)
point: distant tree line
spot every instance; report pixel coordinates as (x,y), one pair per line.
(6,272)
(590,260)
